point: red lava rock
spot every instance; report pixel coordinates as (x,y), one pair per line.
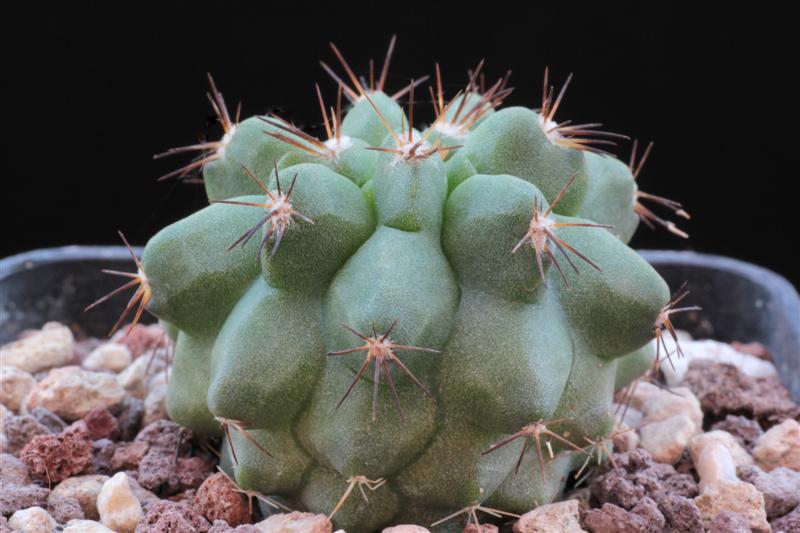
(103,452)
(100,423)
(638,476)
(193,471)
(220,526)
(780,487)
(48,419)
(722,390)
(17,490)
(54,458)
(166,435)
(168,443)
(141,338)
(729,522)
(681,515)
(128,454)
(64,509)
(20,430)
(612,519)
(218,499)
(129,418)
(789,523)
(745,430)
(172,517)
(14,471)
(15,497)
(653,520)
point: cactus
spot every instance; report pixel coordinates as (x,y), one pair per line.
(438,318)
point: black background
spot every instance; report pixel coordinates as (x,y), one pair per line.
(95,93)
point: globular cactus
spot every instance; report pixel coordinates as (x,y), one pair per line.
(438,318)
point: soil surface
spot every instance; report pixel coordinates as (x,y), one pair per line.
(710,442)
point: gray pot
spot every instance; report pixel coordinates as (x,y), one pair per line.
(740,301)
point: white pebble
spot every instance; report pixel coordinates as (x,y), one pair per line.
(736,496)
(71,392)
(15,384)
(32,520)
(295,521)
(109,356)
(561,517)
(779,446)
(666,439)
(49,347)
(738,454)
(86,526)
(719,352)
(119,508)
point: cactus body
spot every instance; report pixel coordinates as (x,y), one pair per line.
(429,261)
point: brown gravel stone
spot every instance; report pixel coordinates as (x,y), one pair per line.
(128,454)
(220,526)
(20,430)
(723,390)
(653,518)
(16,497)
(84,489)
(159,468)
(64,509)
(141,338)
(103,452)
(165,435)
(729,522)
(48,419)
(129,418)
(13,471)
(100,423)
(53,458)
(193,471)
(611,518)
(780,487)
(681,515)
(745,430)
(789,523)
(218,499)
(638,476)
(171,517)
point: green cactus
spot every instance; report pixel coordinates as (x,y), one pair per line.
(436,318)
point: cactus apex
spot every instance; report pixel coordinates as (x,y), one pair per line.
(568,135)
(360,482)
(209,150)
(645,214)
(459,125)
(360,86)
(280,212)
(139,299)
(409,147)
(535,431)
(540,233)
(381,349)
